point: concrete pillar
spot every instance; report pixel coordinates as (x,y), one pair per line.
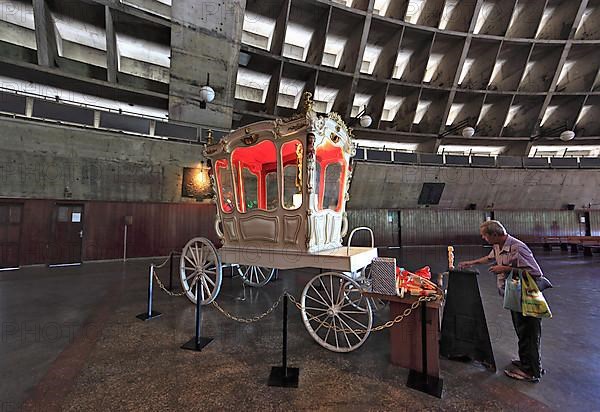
(205,38)
(44,34)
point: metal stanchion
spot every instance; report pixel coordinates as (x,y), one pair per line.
(283,376)
(421,381)
(149,314)
(197,342)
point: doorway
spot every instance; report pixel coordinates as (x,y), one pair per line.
(11,216)
(67,234)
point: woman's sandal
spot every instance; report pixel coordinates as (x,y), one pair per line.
(520,375)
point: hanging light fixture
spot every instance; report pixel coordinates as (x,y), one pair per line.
(468,131)
(207,93)
(362,118)
(567,135)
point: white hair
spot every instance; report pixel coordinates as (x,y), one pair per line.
(493,228)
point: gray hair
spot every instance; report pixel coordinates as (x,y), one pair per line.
(493,228)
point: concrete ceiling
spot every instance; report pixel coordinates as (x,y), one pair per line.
(519,71)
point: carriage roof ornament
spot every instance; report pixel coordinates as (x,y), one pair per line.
(307,103)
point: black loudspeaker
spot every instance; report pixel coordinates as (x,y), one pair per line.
(472,206)
(570,206)
(431,193)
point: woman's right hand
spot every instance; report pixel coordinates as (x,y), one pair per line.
(466,264)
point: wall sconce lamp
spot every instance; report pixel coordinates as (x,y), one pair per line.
(196,182)
(201,178)
(207,93)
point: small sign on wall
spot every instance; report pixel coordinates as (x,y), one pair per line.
(75,217)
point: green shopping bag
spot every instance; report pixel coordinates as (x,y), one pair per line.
(533,302)
(512,292)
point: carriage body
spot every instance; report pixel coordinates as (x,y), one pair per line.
(281,189)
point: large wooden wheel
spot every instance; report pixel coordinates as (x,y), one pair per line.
(200,267)
(335,312)
(256,276)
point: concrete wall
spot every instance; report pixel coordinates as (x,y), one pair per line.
(40,160)
(399,186)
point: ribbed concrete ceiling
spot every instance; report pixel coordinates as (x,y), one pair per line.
(519,72)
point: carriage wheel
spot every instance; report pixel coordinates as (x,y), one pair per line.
(335,313)
(255,276)
(200,266)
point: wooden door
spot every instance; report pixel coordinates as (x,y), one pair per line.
(11,216)
(67,234)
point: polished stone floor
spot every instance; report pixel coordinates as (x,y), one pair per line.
(71,341)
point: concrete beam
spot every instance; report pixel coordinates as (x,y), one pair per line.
(112,54)
(359,57)
(133,11)
(44,34)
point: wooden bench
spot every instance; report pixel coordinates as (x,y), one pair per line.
(549,241)
(586,242)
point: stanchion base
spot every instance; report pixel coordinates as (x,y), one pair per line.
(145,316)
(428,384)
(196,344)
(279,378)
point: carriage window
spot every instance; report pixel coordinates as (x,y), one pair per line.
(224,183)
(272,198)
(330,175)
(291,158)
(331,193)
(251,166)
(250,189)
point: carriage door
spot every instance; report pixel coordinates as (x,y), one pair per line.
(67,234)
(10,234)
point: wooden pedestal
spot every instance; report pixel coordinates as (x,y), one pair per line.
(405,337)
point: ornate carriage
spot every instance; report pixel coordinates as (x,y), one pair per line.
(281,189)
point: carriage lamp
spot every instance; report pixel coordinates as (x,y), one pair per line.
(207,93)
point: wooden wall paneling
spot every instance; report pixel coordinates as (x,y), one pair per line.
(595,222)
(35,234)
(383,222)
(440,227)
(530,226)
(11,217)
